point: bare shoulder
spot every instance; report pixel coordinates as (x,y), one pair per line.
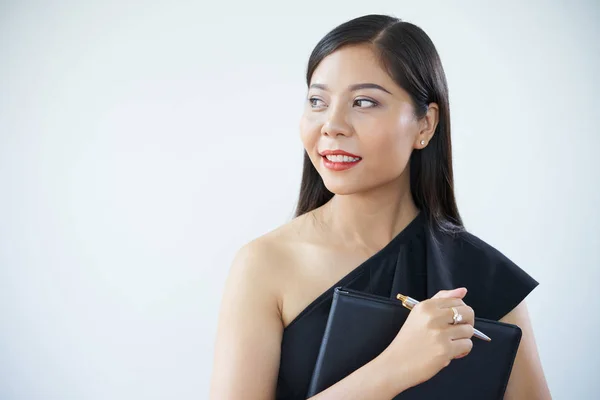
(250,328)
(270,260)
(269,250)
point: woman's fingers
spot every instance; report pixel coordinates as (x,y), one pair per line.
(445,306)
(460,348)
(462,331)
(442,313)
(445,294)
(467,313)
(443,303)
(442,308)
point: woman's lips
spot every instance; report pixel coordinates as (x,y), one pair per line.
(338,152)
(340,162)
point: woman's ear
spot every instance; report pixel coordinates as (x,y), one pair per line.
(427,126)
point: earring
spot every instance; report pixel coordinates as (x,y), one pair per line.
(422,142)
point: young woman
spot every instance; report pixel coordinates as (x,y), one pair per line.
(376,213)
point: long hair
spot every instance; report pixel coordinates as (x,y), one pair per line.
(412,61)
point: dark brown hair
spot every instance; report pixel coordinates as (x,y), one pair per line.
(412,61)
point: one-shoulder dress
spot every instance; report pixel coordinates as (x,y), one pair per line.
(418,262)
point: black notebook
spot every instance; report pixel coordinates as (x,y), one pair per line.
(360,326)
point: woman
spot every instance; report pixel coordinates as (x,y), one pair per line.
(376,213)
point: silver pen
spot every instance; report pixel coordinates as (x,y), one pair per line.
(409,302)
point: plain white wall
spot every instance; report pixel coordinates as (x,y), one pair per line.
(142,143)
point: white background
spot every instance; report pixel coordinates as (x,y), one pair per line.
(142,143)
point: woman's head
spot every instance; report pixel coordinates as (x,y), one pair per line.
(377,90)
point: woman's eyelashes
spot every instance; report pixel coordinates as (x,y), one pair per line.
(366,103)
(362,102)
(315,102)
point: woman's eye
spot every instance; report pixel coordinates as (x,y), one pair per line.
(315,102)
(365,103)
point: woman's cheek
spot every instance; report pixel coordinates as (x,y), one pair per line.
(307,133)
(390,156)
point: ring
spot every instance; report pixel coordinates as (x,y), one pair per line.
(457,317)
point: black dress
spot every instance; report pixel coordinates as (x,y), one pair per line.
(418,262)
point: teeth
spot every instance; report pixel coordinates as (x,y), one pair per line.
(340,158)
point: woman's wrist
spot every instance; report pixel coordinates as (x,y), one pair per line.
(394,374)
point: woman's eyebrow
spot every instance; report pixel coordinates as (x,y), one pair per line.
(352,88)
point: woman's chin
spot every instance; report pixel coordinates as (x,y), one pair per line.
(344,188)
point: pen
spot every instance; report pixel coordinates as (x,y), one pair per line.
(409,302)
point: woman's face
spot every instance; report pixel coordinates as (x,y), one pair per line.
(354,108)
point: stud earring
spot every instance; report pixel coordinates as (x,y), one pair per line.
(422,142)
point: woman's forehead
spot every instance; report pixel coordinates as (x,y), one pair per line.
(351,65)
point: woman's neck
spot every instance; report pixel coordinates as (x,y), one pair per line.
(370,219)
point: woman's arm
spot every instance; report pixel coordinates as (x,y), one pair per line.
(527,379)
(374,380)
(248,343)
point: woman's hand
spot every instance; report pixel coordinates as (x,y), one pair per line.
(428,341)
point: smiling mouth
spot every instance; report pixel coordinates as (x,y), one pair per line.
(339,158)
(340,162)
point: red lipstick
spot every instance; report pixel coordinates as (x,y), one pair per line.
(339,160)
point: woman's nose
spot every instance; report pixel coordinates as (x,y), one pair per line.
(336,123)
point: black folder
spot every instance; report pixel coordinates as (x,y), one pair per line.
(361,325)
